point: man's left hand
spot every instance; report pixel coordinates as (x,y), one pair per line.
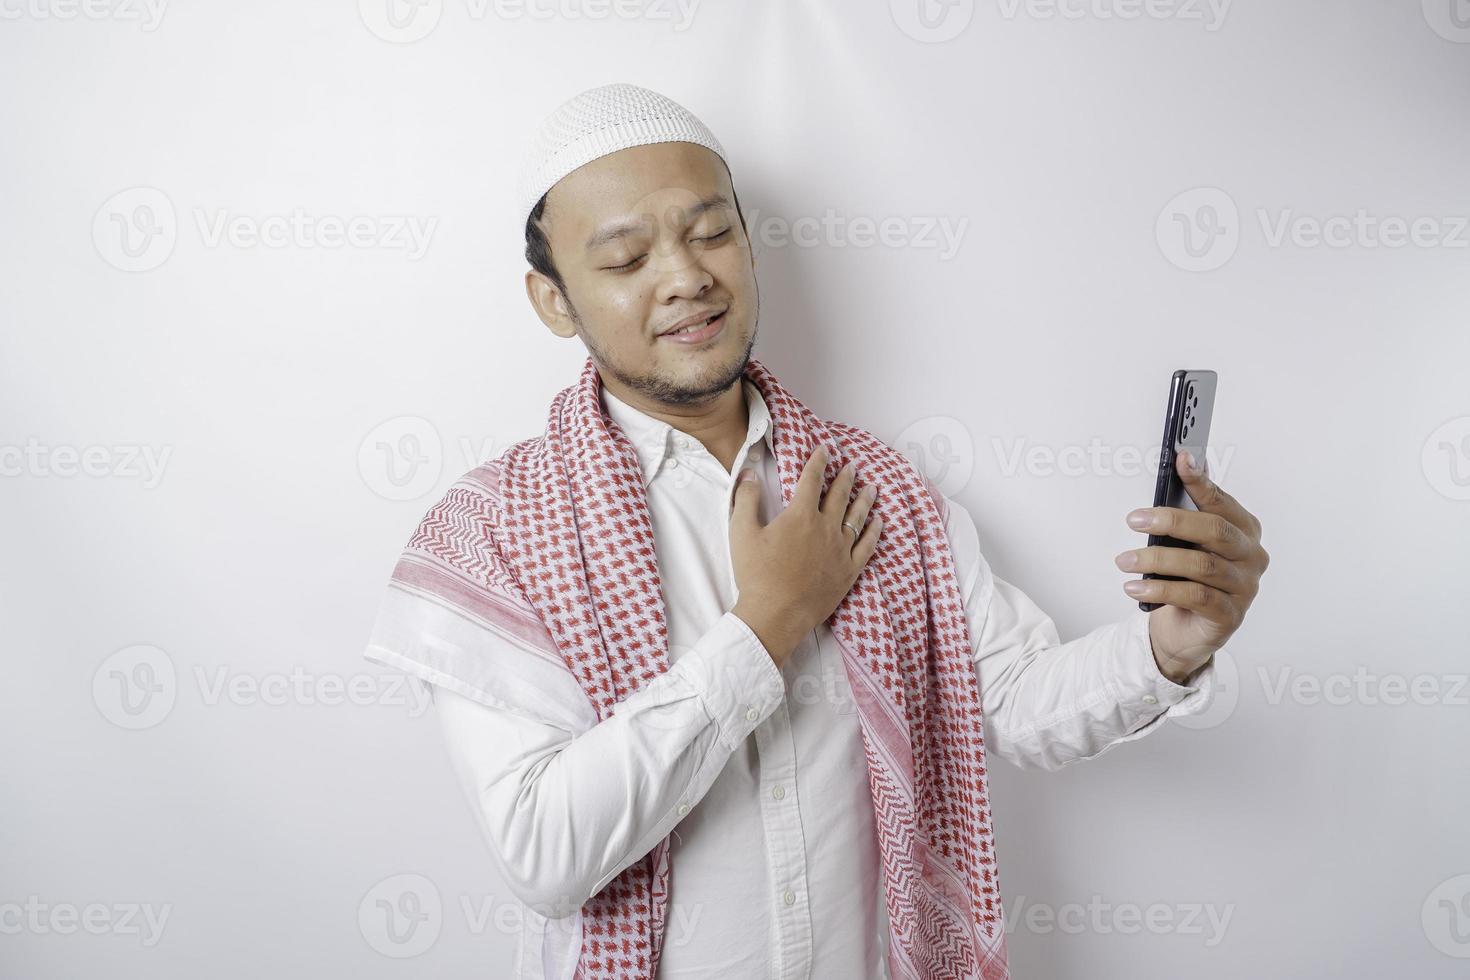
(1220,578)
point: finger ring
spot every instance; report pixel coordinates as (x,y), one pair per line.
(855,532)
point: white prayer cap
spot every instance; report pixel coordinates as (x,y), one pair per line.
(597,122)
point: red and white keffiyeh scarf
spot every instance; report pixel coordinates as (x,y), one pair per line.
(570,538)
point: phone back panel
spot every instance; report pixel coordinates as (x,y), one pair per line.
(1186,428)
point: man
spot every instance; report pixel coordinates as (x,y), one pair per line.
(728,728)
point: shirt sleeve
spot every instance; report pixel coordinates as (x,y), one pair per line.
(1049,704)
(564,812)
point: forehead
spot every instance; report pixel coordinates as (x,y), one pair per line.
(663,180)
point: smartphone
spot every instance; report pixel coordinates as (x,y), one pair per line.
(1187,428)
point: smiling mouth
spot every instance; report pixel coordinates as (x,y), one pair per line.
(697,326)
(699,332)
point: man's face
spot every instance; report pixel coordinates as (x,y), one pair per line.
(645,238)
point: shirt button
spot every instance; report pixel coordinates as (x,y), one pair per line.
(752,715)
(673,461)
(683,809)
(1150,699)
(778,792)
(790,897)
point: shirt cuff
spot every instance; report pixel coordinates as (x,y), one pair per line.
(737,681)
(1144,691)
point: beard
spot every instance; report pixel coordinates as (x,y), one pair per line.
(668,390)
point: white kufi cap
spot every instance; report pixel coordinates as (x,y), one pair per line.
(597,122)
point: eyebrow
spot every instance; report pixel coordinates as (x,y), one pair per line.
(624,228)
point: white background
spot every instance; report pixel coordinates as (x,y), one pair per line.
(1324,819)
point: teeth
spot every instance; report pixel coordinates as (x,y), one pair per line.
(697,326)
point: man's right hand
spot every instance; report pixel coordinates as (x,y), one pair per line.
(793,572)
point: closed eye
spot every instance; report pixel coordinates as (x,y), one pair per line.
(626,265)
(632,262)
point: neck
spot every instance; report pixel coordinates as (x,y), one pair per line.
(719,422)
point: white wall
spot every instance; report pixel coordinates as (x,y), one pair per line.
(1329,828)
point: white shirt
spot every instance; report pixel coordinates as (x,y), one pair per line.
(759,772)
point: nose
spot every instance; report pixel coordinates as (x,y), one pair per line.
(683,275)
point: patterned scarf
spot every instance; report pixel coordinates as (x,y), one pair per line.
(573,541)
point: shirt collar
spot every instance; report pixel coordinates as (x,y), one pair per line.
(653,439)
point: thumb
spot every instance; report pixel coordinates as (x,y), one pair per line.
(743,510)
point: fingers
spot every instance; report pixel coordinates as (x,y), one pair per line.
(835,501)
(857,511)
(1194,564)
(1211,604)
(1211,499)
(1214,532)
(866,544)
(808,492)
(745,507)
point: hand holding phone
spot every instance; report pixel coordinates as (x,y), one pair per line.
(1186,428)
(1214,582)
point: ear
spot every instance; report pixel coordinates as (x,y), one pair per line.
(550,305)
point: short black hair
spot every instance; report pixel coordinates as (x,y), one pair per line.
(538,249)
